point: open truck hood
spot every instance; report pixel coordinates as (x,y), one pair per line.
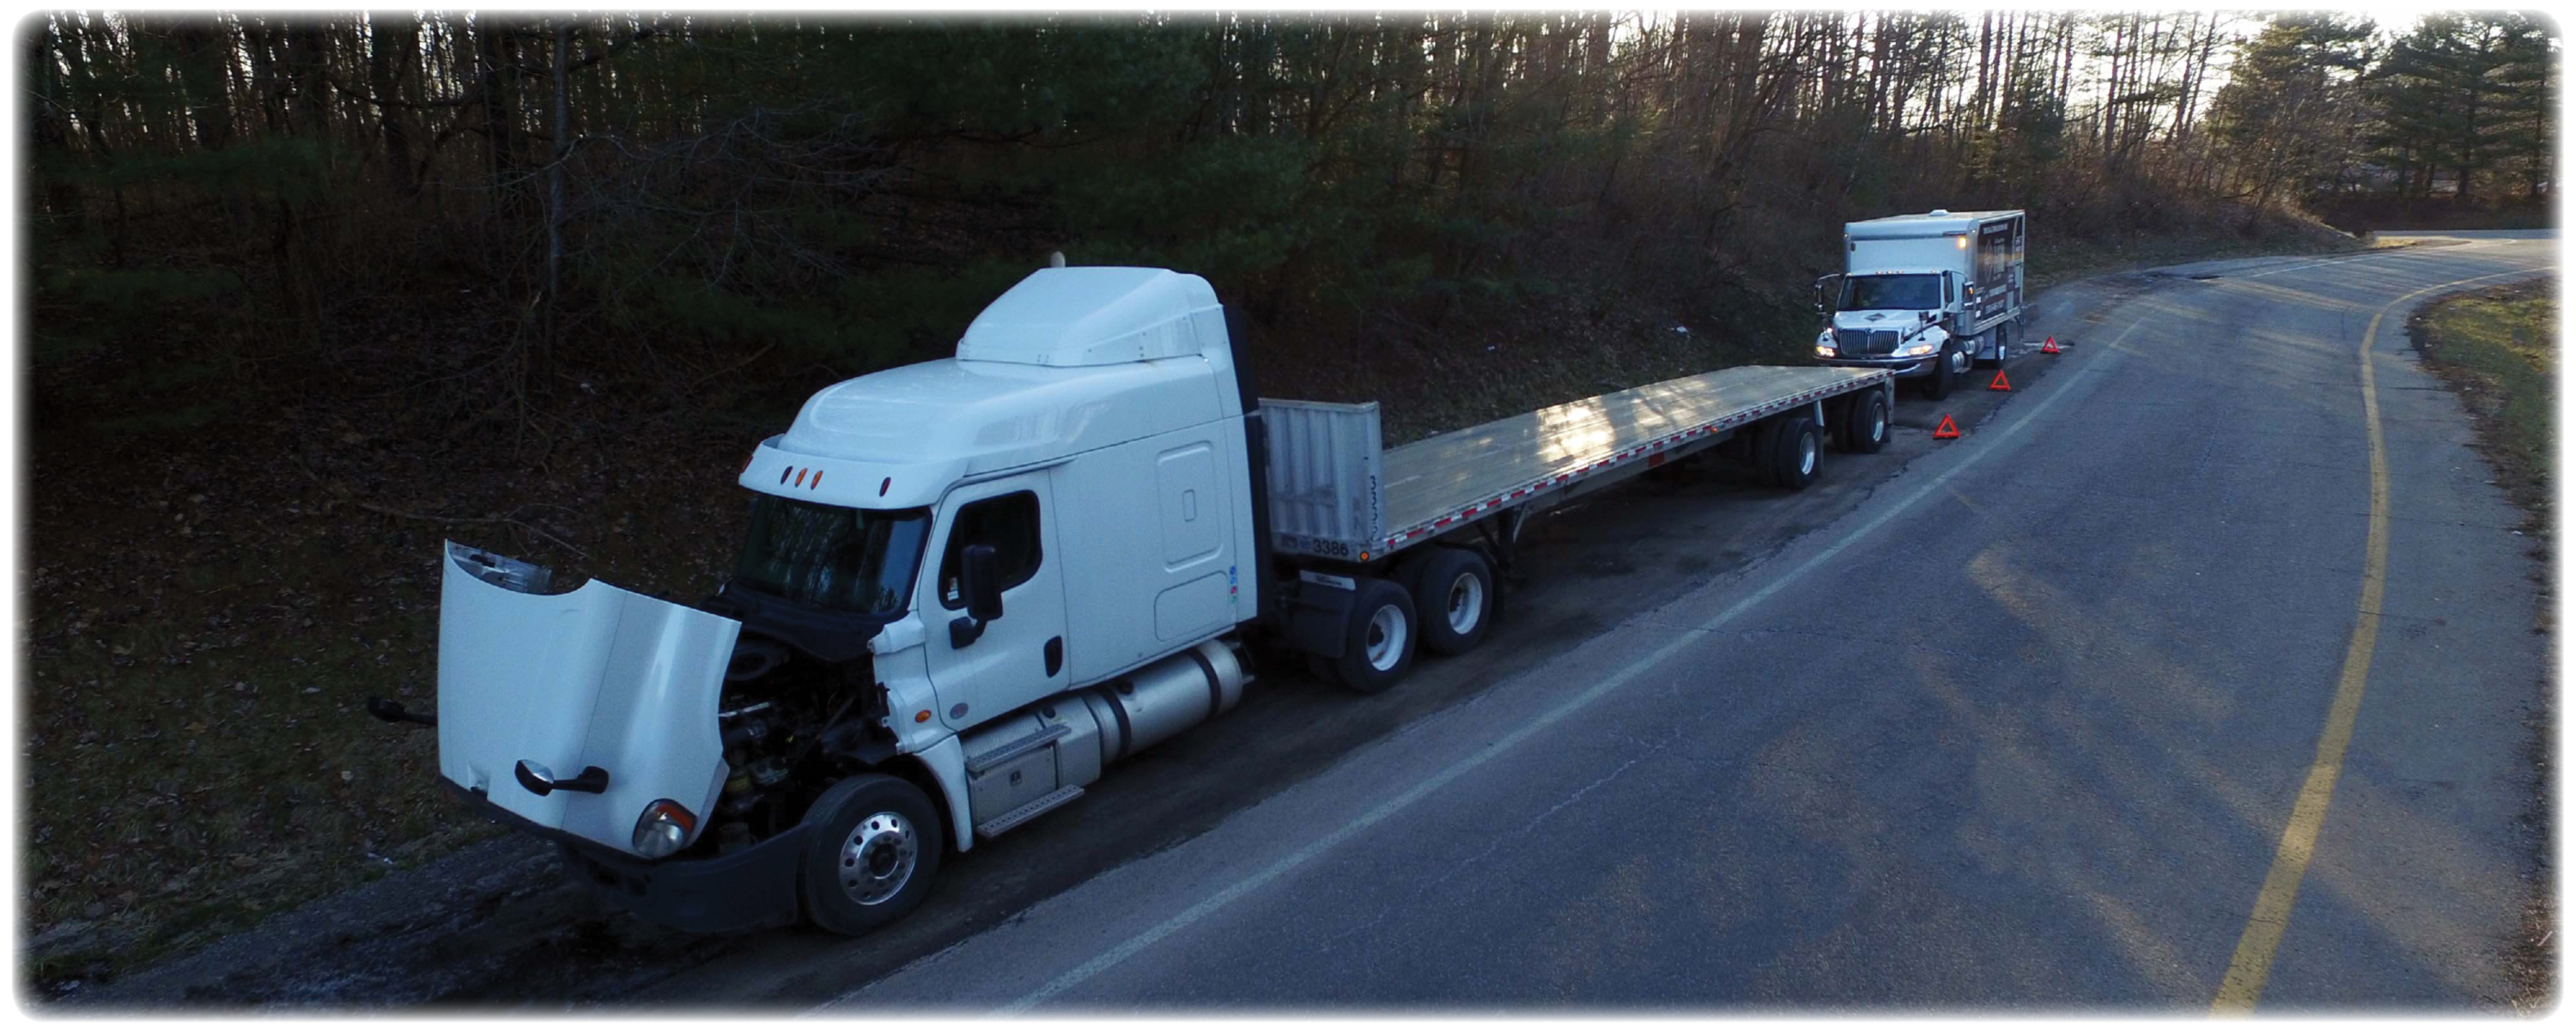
(598,676)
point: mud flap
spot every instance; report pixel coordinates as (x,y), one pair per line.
(1319,613)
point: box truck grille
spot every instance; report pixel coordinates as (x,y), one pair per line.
(1866,342)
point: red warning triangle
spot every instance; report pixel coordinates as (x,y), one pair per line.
(2000,384)
(2050,348)
(1947,429)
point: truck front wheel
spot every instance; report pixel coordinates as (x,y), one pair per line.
(875,852)
(1379,647)
(1945,372)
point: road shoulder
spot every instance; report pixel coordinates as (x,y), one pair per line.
(2495,347)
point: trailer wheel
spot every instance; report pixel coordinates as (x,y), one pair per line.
(874,854)
(1865,423)
(1382,633)
(1793,448)
(1453,589)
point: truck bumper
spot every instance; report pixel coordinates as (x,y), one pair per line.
(754,888)
(1914,367)
(749,889)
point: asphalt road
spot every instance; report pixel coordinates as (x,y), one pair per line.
(2025,728)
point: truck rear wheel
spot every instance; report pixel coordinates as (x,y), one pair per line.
(1378,649)
(2005,335)
(1795,445)
(1865,423)
(875,852)
(1453,589)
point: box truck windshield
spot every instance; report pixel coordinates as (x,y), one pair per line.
(834,557)
(1900,291)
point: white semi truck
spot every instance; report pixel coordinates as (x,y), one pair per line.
(1925,296)
(970,586)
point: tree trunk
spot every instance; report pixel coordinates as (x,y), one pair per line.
(393,50)
(204,49)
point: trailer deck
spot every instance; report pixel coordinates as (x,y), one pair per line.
(1330,500)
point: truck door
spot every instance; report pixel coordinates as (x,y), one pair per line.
(983,673)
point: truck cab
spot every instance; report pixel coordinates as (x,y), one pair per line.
(967,585)
(1924,296)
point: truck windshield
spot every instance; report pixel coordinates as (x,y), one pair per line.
(1898,291)
(833,556)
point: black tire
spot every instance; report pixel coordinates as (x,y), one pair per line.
(1865,423)
(1381,615)
(1795,448)
(1937,386)
(896,855)
(1453,590)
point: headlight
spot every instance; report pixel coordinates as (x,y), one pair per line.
(1825,351)
(1921,348)
(663,828)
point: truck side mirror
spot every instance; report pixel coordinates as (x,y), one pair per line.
(981,583)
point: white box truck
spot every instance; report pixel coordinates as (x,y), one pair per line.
(969,586)
(1925,296)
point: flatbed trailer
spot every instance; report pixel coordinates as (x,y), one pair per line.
(971,586)
(1337,494)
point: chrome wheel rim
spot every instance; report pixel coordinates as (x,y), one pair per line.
(1466,602)
(1877,422)
(1386,631)
(1806,454)
(878,858)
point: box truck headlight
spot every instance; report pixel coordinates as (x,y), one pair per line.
(1825,343)
(1918,348)
(664,828)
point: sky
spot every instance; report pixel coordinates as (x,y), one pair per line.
(2397,21)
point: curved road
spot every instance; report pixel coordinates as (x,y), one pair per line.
(2138,695)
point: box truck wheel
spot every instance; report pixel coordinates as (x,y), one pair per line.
(1790,451)
(2006,333)
(875,850)
(2000,338)
(1453,589)
(1864,423)
(1379,647)
(1945,371)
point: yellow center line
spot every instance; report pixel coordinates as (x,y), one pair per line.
(2252,964)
